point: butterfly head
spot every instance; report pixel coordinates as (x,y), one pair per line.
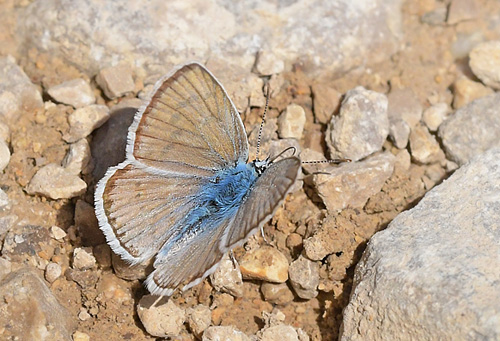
(260,166)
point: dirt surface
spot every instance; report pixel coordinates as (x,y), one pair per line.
(426,64)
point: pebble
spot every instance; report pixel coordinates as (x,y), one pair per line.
(265,263)
(83,259)
(76,92)
(472,130)
(461,10)
(54,182)
(4,155)
(77,159)
(160,320)
(405,105)
(17,93)
(114,289)
(57,233)
(84,120)
(361,127)
(279,293)
(5,268)
(80,336)
(424,147)
(291,122)
(399,132)
(484,61)
(83,315)
(275,329)
(227,277)
(304,277)
(52,272)
(269,64)
(199,318)
(465,91)
(4,200)
(224,333)
(403,161)
(435,115)
(116,81)
(279,333)
(352,184)
(326,101)
(293,241)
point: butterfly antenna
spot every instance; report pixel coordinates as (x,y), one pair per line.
(283,152)
(334,161)
(262,122)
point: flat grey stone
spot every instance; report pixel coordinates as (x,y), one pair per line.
(76,92)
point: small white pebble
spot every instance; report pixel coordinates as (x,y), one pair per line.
(57,232)
(83,259)
(52,272)
(83,315)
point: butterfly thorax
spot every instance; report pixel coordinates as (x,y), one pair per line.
(227,189)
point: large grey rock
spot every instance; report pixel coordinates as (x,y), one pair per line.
(29,310)
(333,37)
(472,129)
(433,273)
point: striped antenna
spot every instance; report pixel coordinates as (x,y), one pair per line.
(334,161)
(262,122)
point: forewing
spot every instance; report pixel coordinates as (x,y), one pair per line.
(138,210)
(264,198)
(190,125)
(188,260)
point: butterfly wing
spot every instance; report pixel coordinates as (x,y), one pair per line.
(266,195)
(190,126)
(186,132)
(139,210)
(187,261)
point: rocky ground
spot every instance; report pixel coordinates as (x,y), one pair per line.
(414,109)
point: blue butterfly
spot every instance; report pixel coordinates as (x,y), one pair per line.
(185,193)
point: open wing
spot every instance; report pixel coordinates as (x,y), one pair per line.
(189,126)
(139,210)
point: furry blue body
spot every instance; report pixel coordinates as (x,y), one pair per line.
(219,199)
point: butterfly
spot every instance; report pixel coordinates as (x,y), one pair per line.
(185,193)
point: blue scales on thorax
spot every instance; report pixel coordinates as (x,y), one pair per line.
(219,198)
